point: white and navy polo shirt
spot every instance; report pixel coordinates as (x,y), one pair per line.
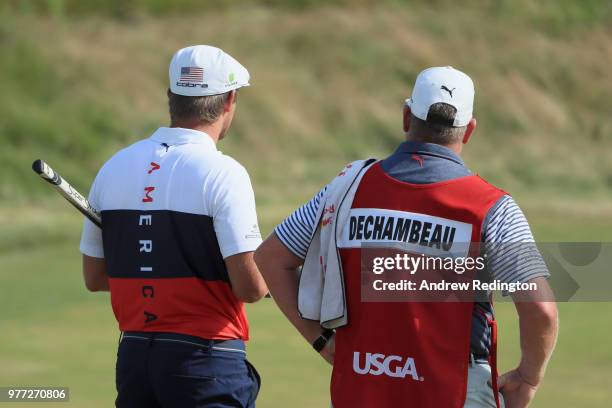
(173,208)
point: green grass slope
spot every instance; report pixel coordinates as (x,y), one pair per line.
(80,79)
(55,333)
(328,87)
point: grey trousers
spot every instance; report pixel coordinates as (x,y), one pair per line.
(479,393)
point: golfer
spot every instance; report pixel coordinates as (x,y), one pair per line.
(175,250)
(412,354)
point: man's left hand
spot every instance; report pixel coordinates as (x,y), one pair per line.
(516,391)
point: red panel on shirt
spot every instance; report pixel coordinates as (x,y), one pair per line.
(192,306)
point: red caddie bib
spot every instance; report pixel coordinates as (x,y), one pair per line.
(407,354)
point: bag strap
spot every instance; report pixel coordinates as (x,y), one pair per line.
(492,323)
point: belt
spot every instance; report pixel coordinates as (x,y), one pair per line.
(233,345)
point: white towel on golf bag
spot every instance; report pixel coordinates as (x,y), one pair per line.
(321,287)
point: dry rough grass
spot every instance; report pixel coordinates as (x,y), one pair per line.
(329,83)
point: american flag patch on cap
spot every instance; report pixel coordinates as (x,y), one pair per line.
(192,74)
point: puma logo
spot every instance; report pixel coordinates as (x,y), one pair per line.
(418,159)
(450,91)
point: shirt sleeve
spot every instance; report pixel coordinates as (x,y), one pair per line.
(91,237)
(295,232)
(232,201)
(510,249)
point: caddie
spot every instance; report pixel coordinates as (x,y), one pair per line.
(179,228)
(413,354)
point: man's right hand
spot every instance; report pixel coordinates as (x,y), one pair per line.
(278,265)
(517,393)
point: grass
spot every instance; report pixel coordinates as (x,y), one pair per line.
(56,333)
(80,80)
(70,95)
(554,15)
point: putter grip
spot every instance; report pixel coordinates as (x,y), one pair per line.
(67,191)
(46,172)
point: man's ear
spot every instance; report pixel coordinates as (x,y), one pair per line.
(231,99)
(469,130)
(407,114)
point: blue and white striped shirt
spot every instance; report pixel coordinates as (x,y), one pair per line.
(509,245)
(505,223)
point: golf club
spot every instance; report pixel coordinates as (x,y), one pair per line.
(65,189)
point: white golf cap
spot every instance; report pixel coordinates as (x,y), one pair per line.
(443,84)
(202,70)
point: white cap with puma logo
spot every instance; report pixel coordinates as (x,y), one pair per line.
(443,85)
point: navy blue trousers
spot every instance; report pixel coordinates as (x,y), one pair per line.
(170,370)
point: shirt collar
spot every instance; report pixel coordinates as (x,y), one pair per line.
(176,136)
(429,149)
